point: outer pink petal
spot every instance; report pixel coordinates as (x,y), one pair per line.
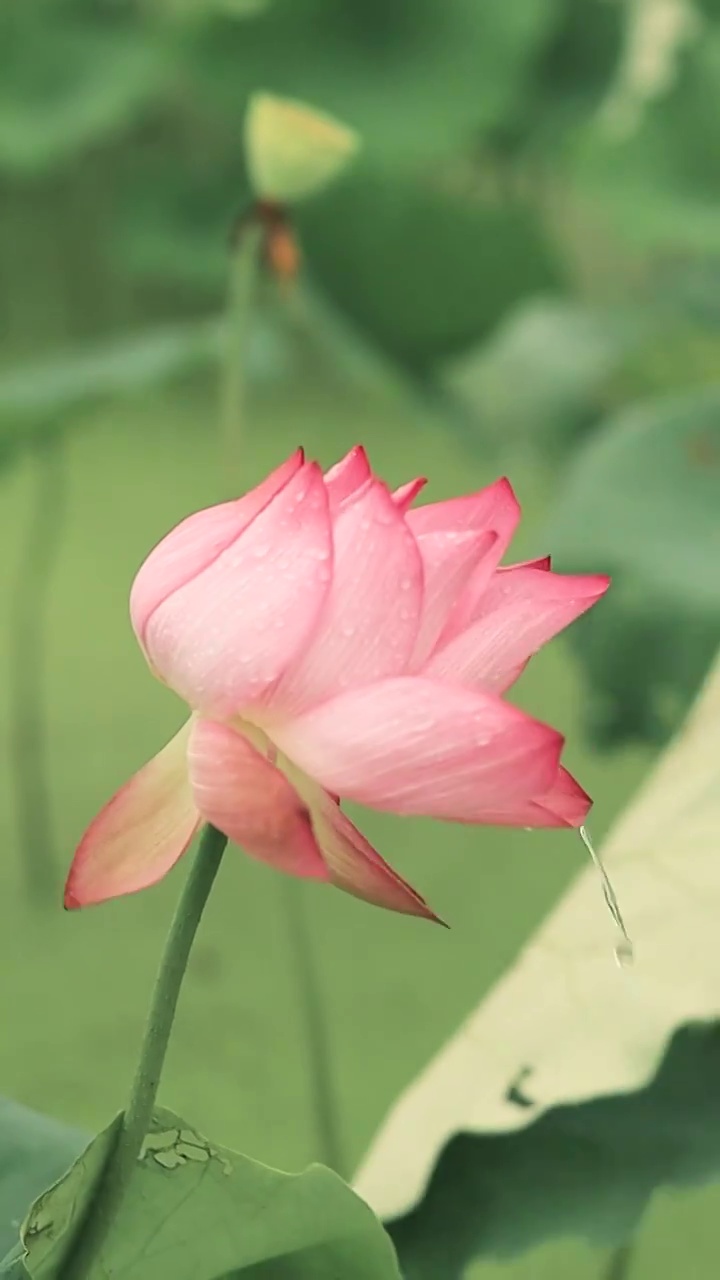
(241,793)
(565,804)
(356,867)
(494,509)
(407,493)
(224,640)
(448,561)
(140,834)
(519,612)
(347,476)
(368,627)
(196,542)
(413,745)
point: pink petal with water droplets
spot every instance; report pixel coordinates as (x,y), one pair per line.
(347,476)
(413,745)
(197,541)
(448,561)
(245,796)
(357,868)
(519,612)
(141,832)
(407,493)
(225,639)
(494,509)
(368,626)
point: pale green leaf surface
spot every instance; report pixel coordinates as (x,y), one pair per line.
(641,500)
(566,1026)
(545,367)
(644,495)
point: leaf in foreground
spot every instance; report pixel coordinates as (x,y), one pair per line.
(577,1088)
(195,1211)
(34,1151)
(641,500)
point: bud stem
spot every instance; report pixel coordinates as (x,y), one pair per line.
(244,263)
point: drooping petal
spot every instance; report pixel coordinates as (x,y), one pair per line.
(407,493)
(347,476)
(197,541)
(413,745)
(519,612)
(356,867)
(141,832)
(245,796)
(368,627)
(448,561)
(225,639)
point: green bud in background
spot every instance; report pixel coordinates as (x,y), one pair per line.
(293,151)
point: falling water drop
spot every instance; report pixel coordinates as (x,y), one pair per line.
(624,951)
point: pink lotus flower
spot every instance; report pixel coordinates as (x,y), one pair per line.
(333,641)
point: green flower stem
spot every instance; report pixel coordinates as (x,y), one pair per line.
(312,1012)
(244,266)
(138,1114)
(28,711)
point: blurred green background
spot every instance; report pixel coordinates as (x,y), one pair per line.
(520,275)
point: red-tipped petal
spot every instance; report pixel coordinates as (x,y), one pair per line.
(542,562)
(244,795)
(347,476)
(566,803)
(494,509)
(140,834)
(519,612)
(407,493)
